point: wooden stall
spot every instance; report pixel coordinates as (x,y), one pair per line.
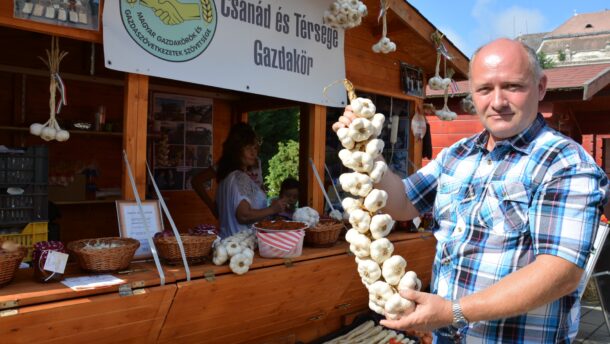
(277,301)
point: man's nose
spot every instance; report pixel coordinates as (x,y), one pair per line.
(499,100)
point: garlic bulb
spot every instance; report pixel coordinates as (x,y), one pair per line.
(435,83)
(381,250)
(380,292)
(360,245)
(220,255)
(381,225)
(36,129)
(345,14)
(360,129)
(308,215)
(369,270)
(48,134)
(62,135)
(393,269)
(345,138)
(377,123)
(378,171)
(349,204)
(396,307)
(233,247)
(240,264)
(374,148)
(375,200)
(409,281)
(363,107)
(360,220)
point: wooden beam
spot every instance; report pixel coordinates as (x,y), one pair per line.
(596,84)
(134,133)
(424,28)
(312,145)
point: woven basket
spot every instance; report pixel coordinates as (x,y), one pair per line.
(324,234)
(9,263)
(196,248)
(107,259)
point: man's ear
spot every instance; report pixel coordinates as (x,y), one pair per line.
(542,87)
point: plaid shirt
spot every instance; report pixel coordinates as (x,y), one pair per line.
(536,193)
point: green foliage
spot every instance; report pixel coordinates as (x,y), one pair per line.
(561,55)
(545,61)
(284,164)
(273,127)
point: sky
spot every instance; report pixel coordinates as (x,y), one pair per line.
(471,23)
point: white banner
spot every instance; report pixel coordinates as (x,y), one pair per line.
(270,47)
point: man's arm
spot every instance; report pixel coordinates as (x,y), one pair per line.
(546,279)
(398,205)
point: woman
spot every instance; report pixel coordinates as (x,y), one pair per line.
(239,199)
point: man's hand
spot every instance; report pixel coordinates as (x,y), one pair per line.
(345,120)
(431,312)
(278,205)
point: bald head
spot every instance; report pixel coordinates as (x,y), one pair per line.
(509,46)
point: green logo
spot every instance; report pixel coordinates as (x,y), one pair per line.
(172,30)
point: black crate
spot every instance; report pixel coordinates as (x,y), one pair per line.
(24,169)
(24,166)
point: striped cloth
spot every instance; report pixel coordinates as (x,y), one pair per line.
(494,212)
(285,241)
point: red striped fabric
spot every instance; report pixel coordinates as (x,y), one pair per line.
(281,240)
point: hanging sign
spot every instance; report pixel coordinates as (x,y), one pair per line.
(275,48)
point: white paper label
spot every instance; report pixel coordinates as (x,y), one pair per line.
(56,262)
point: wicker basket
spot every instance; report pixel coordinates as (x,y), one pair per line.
(324,234)
(107,259)
(196,248)
(9,263)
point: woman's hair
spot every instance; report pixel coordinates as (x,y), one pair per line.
(240,136)
(288,183)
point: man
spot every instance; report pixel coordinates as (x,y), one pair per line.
(516,209)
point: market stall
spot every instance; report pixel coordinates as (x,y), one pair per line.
(207,302)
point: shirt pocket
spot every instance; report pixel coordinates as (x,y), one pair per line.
(505,208)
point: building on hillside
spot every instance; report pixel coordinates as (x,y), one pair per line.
(582,39)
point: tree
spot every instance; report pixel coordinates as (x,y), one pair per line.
(546,62)
(284,164)
(561,55)
(273,127)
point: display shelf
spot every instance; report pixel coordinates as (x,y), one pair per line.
(77,132)
(85,202)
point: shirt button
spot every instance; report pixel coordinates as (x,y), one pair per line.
(446,261)
(488,161)
(460,229)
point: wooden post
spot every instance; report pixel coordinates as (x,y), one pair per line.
(134,133)
(313,145)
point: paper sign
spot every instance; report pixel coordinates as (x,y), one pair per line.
(91,282)
(131,223)
(56,262)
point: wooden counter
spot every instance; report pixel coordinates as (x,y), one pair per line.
(277,301)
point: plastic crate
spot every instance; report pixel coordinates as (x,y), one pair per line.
(32,233)
(27,169)
(24,166)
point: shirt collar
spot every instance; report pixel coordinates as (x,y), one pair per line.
(520,142)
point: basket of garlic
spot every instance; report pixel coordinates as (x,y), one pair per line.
(104,254)
(324,234)
(197,246)
(11,255)
(382,273)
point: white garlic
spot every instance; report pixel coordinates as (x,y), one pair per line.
(379,169)
(36,129)
(363,107)
(62,135)
(396,306)
(48,133)
(381,250)
(393,269)
(240,264)
(380,292)
(360,220)
(377,123)
(360,245)
(369,270)
(374,148)
(351,234)
(435,83)
(381,225)
(349,204)
(233,247)
(220,255)
(375,200)
(345,138)
(361,129)
(376,308)
(409,281)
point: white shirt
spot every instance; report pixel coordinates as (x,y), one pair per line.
(233,189)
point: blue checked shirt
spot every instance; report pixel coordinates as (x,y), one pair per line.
(494,212)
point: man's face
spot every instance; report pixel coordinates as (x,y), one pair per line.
(504,90)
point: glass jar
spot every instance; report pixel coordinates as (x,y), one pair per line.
(39,258)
